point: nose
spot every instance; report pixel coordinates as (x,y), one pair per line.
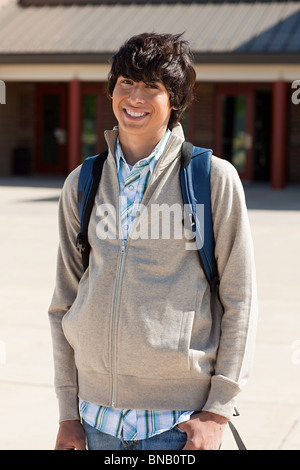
(137,93)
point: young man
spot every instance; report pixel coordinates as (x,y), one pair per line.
(145,356)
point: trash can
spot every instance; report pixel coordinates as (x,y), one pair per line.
(21,161)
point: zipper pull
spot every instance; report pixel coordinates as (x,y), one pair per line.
(123,246)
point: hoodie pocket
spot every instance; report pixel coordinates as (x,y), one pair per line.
(157,345)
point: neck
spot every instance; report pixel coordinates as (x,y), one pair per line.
(135,149)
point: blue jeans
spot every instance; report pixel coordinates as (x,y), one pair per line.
(174,439)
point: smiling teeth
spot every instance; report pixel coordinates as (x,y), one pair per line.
(131,113)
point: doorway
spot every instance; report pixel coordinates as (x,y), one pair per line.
(243,132)
(51,127)
(262,135)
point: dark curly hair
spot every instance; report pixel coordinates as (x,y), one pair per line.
(151,57)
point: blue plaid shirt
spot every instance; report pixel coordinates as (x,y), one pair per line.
(132,424)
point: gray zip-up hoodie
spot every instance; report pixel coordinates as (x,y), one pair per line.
(139,329)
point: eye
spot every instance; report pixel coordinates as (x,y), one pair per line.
(125,81)
(153,85)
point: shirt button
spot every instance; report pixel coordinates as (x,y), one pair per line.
(130,187)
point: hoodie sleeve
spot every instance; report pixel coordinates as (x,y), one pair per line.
(237,290)
(68,274)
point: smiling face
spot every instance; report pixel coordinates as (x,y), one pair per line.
(142,109)
(157,58)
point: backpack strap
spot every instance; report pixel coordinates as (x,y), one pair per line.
(195,186)
(237,437)
(89,178)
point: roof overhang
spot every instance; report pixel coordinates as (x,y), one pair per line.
(260,39)
(225,31)
(104,58)
(97,72)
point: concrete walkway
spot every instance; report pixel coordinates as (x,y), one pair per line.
(269,406)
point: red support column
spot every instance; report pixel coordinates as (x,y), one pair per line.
(74,132)
(279,135)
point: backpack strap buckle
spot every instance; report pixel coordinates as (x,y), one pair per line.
(80,245)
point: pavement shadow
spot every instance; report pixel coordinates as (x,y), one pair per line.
(33,181)
(260,196)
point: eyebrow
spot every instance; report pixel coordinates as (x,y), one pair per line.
(148,82)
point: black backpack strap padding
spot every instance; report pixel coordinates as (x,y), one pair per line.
(186,154)
(88,183)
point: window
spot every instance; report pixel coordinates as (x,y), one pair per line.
(89,125)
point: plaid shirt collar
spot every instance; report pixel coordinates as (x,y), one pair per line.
(151,160)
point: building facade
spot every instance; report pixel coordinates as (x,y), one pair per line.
(54,60)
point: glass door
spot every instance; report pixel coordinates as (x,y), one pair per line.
(263,131)
(89,136)
(235,128)
(51,145)
(93,111)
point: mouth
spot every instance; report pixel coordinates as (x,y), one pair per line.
(137,115)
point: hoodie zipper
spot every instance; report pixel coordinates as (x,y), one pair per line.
(116,302)
(117,292)
(114,323)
